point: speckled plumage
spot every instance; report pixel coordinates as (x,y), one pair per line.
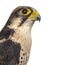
(15,37)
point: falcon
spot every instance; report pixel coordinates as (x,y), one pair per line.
(15,37)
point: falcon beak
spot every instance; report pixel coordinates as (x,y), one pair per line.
(38,17)
(35,16)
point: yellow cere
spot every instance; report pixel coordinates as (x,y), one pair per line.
(34,15)
(28,12)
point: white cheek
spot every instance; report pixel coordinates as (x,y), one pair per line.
(28,23)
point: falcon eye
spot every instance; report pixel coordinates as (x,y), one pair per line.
(24,11)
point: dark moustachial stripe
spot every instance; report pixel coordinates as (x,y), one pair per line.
(9,53)
(26,17)
(15,14)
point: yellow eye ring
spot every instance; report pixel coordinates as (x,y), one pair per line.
(25,11)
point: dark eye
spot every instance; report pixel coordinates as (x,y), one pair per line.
(24,11)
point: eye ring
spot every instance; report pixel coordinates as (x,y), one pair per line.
(25,12)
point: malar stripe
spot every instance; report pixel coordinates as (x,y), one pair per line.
(26,17)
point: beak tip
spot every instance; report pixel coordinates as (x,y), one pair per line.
(39,18)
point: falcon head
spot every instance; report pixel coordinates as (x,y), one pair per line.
(23,16)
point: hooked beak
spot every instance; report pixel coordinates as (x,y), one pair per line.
(35,16)
(38,17)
